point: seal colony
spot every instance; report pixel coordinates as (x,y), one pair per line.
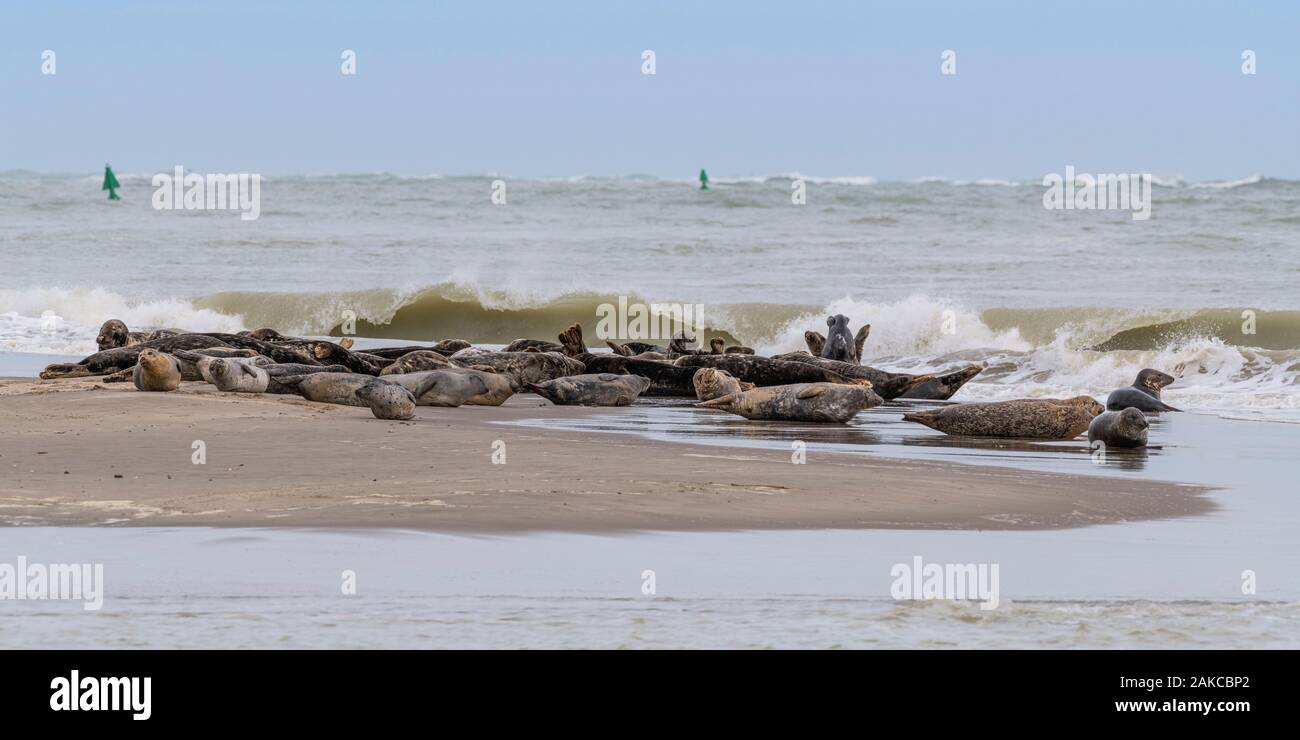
(826,384)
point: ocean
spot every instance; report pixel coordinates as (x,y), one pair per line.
(1052,303)
(946,272)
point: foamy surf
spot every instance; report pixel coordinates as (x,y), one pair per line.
(1027,352)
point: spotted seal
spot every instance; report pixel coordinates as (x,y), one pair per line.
(455,386)
(602,389)
(1030,418)
(816,402)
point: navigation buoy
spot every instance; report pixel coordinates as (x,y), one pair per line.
(704,180)
(110,183)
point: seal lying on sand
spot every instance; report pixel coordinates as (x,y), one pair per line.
(414,362)
(886,384)
(540,345)
(123,358)
(236,376)
(446,348)
(267,334)
(522,367)
(292,369)
(156,371)
(942,387)
(384,399)
(1122,429)
(113,333)
(455,386)
(604,389)
(763,371)
(819,402)
(632,349)
(1032,418)
(1143,395)
(666,379)
(711,383)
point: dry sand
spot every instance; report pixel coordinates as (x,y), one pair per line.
(81,452)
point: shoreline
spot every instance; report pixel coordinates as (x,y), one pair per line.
(281,461)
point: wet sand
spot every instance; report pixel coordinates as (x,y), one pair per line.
(82,452)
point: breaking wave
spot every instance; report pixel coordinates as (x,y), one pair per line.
(1226,358)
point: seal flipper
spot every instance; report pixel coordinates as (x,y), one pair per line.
(618,349)
(860,341)
(723,402)
(571,340)
(925,418)
(810,392)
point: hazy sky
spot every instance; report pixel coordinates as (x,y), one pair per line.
(743,88)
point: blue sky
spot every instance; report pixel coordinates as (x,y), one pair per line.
(744,88)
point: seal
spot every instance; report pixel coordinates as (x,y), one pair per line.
(233,375)
(718,346)
(156,371)
(571,341)
(942,387)
(1032,418)
(540,345)
(1143,395)
(289,369)
(204,364)
(711,383)
(521,367)
(124,358)
(384,399)
(603,389)
(1125,429)
(188,361)
(817,402)
(816,342)
(455,386)
(113,334)
(666,379)
(632,349)
(764,371)
(839,340)
(886,384)
(414,362)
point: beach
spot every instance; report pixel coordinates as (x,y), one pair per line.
(87,453)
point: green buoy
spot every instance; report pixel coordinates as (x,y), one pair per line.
(704,180)
(110,183)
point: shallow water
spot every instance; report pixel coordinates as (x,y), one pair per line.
(281,588)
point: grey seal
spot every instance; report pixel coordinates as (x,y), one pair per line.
(1143,395)
(455,386)
(603,389)
(1120,429)
(156,371)
(414,362)
(235,375)
(711,383)
(816,402)
(1032,418)
(384,399)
